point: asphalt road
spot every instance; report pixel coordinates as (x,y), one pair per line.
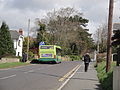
(37,76)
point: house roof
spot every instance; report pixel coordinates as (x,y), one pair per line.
(14,34)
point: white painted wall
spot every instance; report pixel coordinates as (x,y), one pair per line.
(15,44)
(18,45)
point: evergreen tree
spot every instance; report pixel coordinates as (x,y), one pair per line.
(41,32)
(6,44)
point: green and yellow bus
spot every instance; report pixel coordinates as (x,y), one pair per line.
(49,53)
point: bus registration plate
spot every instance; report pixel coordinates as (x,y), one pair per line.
(46,55)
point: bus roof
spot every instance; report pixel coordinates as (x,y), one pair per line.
(52,45)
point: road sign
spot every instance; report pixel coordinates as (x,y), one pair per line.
(42,43)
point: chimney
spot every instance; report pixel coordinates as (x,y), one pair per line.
(20,31)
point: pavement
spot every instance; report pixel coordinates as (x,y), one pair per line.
(84,80)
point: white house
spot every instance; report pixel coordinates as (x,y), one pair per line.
(17,38)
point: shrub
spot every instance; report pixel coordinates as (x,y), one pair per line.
(74,57)
(31,56)
(106,79)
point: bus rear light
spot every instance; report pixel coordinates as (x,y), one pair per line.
(38,56)
(54,56)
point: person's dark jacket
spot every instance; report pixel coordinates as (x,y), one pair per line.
(87,58)
(24,58)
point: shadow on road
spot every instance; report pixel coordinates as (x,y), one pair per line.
(35,61)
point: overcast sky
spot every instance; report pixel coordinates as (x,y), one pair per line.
(17,12)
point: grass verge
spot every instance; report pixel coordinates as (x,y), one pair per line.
(106,79)
(11,65)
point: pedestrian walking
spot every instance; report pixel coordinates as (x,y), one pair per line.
(24,57)
(86,61)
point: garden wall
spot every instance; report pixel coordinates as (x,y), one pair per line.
(7,60)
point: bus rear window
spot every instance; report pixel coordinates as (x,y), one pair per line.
(46,47)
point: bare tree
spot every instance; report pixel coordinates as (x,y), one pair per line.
(101,37)
(64,28)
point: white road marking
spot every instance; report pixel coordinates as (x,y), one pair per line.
(36,69)
(68,74)
(29,71)
(60,88)
(8,77)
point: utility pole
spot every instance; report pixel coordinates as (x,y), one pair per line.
(97,52)
(28,38)
(109,49)
(98,42)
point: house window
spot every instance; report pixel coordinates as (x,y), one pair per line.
(18,53)
(19,43)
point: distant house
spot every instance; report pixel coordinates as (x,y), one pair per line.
(17,38)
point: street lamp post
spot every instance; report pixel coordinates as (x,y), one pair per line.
(28,39)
